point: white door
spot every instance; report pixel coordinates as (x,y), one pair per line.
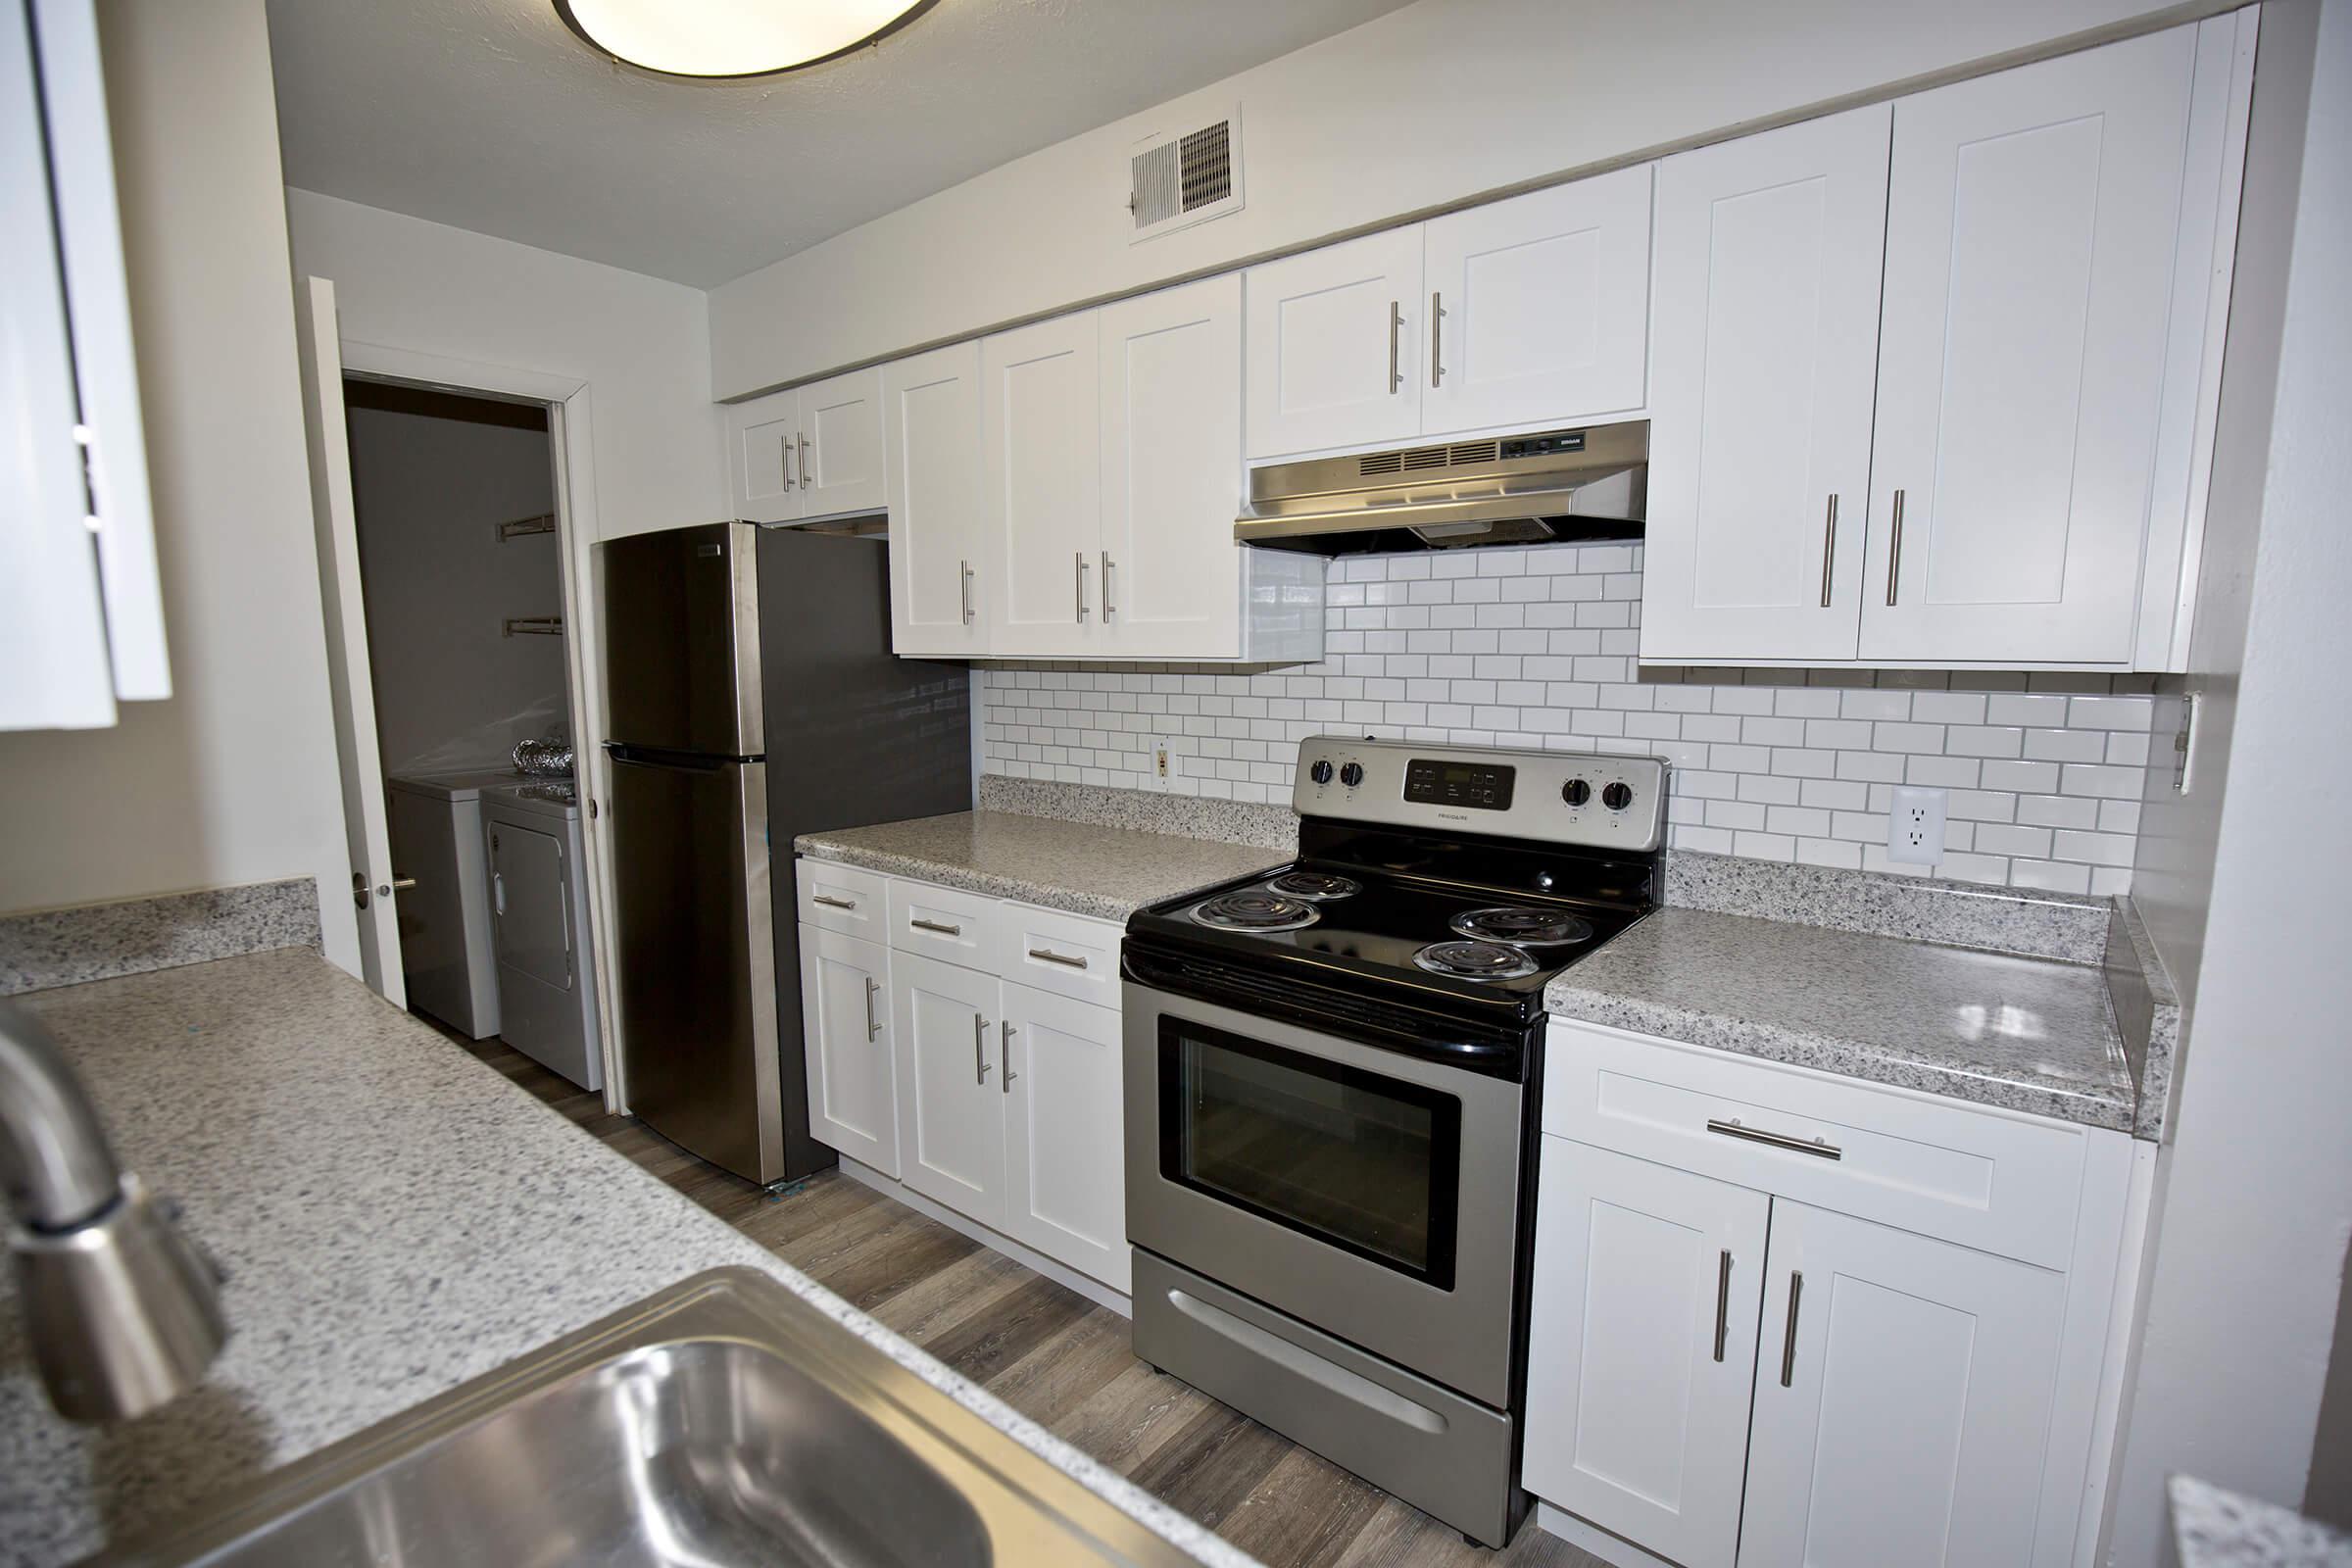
(365,825)
(1539,307)
(841,446)
(764,458)
(1333,350)
(1040,413)
(931,446)
(1765,366)
(2029,238)
(1171,573)
(951,1109)
(1065,1175)
(845,1027)
(1642,1346)
(1902,1399)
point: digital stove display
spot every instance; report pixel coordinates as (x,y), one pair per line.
(1484,786)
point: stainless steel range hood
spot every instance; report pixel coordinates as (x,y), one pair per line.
(1586,483)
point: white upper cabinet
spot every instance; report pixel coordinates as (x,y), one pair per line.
(2030,228)
(1539,307)
(1334,346)
(812,452)
(1766,353)
(1171,391)
(931,451)
(1040,413)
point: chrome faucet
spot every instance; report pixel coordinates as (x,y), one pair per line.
(122,1307)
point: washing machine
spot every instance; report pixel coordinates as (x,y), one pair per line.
(539,927)
(443,921)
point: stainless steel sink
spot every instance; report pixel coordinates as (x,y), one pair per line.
(724,1421)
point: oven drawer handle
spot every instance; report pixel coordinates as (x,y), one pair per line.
(1821,1148)
(1049,956)
(1308,1366)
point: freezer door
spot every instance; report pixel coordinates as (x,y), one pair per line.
(695,976)
(681,619)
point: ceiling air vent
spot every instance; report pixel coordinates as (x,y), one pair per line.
(1184,177)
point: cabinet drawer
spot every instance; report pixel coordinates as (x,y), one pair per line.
(946,923)
(1983,1179)
(1068,954)
(843,898)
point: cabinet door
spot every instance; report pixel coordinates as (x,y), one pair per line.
(951,1112)
(1065,1175)
(1040,412)
(1902,1405)
(2029,238)
(841,446)
(764,458)
(1767,347)
(1641,1347)
(1334,348)
(1170,577)
(931,444)
(1541,306)
(844,1023)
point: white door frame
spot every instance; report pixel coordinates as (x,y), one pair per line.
(566,399)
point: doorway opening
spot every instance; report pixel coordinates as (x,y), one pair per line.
(460,571)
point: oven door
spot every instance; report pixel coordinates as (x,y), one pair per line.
(1373,1195)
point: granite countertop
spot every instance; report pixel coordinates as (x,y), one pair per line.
(2214,1527)
(2026,1034)
(1107,872)
(396,1218)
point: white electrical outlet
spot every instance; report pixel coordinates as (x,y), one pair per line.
(1915,826)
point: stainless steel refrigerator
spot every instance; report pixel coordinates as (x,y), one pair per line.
(751,696)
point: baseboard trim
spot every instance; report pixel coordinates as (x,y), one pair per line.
(1029,1257)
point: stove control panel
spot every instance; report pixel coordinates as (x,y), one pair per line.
(1578,798)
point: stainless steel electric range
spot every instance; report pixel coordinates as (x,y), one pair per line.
(1332,1073)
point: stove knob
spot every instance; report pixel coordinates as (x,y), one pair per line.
(1321,771)
(1353,775)
(1576,792)
(1617,797)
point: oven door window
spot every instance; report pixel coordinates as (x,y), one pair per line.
(1364,1163)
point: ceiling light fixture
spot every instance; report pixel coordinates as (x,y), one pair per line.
(721,38)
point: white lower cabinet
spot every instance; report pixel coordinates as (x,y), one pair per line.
(1722,1373)
(845,1009)
(973,1055)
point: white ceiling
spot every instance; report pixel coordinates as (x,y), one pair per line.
(490,114)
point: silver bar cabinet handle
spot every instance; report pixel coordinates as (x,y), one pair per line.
(1106,604)
(1004,1035)
(1437,344)
(805,481)
(934,925)
(1396,326)
(967,567)
(1820,1147)
(789,481)
(1796,1293)
(979,1051)
(1829,549)
(1049,956)
(1079,556)
(1895,555)
(832,903)
(873,1025)
(1723,1300)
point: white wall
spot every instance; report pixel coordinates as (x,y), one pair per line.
(452,690)
(234,778)
(1424,107)
(2245,884)
(641,344)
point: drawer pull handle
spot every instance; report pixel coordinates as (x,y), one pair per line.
(1821,1148)
(934,925)
(832,903)
(1050,957)
(1723,1300)
(1797,1294)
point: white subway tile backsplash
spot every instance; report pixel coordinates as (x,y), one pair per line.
(1536,647)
